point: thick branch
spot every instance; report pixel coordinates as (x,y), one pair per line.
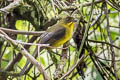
(11,6)
(25,53)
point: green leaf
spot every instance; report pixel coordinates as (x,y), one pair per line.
(42,61)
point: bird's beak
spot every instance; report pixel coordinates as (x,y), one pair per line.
(74,20)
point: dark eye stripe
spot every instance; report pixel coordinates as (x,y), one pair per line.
(68,19)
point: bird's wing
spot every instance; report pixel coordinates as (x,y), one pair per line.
(52,36)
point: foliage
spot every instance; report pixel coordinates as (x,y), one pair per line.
(96,37)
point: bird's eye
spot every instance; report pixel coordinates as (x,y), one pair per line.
(68,19)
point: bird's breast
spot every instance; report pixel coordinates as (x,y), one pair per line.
(66,37)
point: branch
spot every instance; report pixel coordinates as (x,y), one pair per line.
(18,56)
(35,33)
(113,64)
(61,64)
(83,5)
(117,8)
(104,43)
(11,7)
(25,53)
(78,62)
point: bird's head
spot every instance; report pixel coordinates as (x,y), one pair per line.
(67,20)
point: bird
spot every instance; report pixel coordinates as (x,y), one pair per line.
(59,33)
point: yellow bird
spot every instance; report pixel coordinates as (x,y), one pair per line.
(59,33)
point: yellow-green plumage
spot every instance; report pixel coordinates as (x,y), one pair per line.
(59,33)
(68,35)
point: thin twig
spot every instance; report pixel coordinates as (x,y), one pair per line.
(59,70)
(33,44)
(104,43)
(78,62)
(111,42)
(83,5)
(35,33)
(112,5)
(26,54)
(53,7)
(11,7)
(37,44)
